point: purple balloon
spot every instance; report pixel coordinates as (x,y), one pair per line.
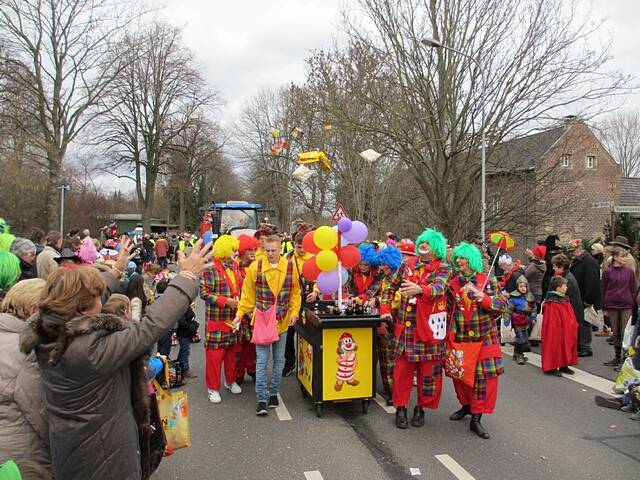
(328,282)
(344,225)
(358,232)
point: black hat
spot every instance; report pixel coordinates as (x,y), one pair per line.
(68,254)
(621,242)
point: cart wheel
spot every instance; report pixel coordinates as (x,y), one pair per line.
(304,392)
(318,410)
(365,405)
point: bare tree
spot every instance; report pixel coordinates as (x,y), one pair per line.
(535,61)
(59,54)
(620,133)
(152,101)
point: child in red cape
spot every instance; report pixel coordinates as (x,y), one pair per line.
(559,331)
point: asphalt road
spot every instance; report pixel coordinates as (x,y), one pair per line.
(543,428)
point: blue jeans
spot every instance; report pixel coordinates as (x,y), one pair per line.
(262,359)
(183,354)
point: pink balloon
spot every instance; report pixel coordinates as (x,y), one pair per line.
(358,232)
(328,282)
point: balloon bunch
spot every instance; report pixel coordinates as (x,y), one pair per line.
(333,253)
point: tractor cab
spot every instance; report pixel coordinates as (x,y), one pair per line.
(233,217)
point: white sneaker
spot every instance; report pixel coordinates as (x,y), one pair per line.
(214,396)
(234,388)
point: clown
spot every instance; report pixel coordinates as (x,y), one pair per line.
(422,283)
(476,300)
(220,288)
(365,279)
(347,361)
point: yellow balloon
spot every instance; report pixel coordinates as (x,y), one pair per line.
(327,260)
(325,238)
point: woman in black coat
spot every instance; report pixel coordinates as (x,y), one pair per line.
(560,264)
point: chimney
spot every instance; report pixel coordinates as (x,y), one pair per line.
(571,119)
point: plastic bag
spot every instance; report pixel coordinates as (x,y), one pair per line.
(507,334)
(592,317)
(628,333)
(174,415)
(627,375)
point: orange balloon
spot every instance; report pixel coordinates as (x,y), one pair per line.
(308,243)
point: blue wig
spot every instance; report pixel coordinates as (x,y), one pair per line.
(390,256)
(368,254)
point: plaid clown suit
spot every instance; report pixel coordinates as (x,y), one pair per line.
(246,364)
(409,353)
(472,322)
(218,284)
(366,287)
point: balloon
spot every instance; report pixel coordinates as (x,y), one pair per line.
(358,232)
(345,275)
(325,238)
(343,241)
(328,282)
(310,270)
(344,225)
(308,243)
(326,260)
(349,256)
(207,237)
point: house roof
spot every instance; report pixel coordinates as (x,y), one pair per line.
(629,192)
(522,153)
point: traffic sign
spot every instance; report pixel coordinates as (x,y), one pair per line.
(339,213)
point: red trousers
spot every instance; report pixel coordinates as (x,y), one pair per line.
(482,398)
(429,376)
(213,365)
(247,362)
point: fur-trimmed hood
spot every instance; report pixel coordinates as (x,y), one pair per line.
(31,339)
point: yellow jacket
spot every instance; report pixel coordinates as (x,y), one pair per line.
(275,279)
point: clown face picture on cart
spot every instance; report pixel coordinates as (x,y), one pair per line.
(347,366)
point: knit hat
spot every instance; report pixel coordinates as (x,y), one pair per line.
(225,246)
(540,251)
(471,253)
(435,240)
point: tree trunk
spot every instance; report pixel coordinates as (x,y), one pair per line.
(50,219)
(149,200)
(181,209)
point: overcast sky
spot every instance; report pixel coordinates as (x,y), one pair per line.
(246,45)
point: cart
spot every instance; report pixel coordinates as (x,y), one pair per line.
(336,358)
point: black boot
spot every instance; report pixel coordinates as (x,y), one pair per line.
(401,418)
(476,426)
(460,414)
(418,417)
(617,359)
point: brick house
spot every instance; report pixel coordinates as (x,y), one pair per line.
(561,180)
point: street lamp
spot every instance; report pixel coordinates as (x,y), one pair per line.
(63,187)
(433,43)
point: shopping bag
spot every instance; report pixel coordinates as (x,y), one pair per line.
(507,334)
(628,333)
(173,408)
(592,317)
(627,375)
(265,326)
(536,331)
(461,359)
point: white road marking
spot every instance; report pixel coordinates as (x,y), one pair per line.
(313,475)
(281,410)
(454,467)
(580,376)
(383,404)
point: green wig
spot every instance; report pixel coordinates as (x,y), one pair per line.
(435,240)
(471,253)
(9,270)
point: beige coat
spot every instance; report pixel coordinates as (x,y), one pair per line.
(45,263)
(24,433)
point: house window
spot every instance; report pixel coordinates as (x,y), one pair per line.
(565,161)
(591,161)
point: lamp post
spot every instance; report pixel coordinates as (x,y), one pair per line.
(288,175)
(433,43)
(63,188)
